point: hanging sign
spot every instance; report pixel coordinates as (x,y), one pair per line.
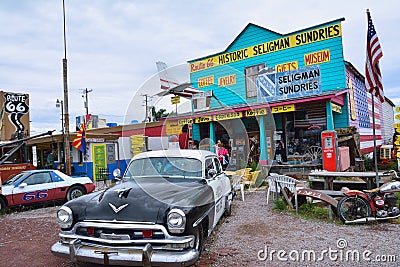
(228,116)
(336,108)
(256,112)
(396,125)
(203,119)
(397,116)
(283,108)
(397,109)
(185,121)
(397,143)
(175,99)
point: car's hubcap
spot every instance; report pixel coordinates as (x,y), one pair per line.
(76,193)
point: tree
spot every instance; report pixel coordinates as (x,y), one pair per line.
(157,115)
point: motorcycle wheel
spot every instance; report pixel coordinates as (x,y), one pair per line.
(351,208)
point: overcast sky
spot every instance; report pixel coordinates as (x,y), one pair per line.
(112,45)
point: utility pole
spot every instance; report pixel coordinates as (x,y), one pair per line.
(146,100)
(85,92)
(66,115)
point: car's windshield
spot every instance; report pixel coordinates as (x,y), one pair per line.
(172,166)
(13,179)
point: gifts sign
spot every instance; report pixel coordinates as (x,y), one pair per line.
(15,105)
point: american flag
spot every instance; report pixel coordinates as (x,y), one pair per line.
(374,54)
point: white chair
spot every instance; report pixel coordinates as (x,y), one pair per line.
(238,184)
(272,186)
(276,181)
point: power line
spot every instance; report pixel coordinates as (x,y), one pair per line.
(86,103)
(146,100)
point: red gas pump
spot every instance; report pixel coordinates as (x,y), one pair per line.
(330,153)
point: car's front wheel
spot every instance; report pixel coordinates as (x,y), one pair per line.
(75,192)
(199,238)
(228,206)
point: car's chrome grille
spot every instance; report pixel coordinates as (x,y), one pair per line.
(125,235)
(120,234)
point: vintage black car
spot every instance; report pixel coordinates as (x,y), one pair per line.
(158,215)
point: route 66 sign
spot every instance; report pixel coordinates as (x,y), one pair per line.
(16,103)
(14,106)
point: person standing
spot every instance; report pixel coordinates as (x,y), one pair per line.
(223,155)
(217,146)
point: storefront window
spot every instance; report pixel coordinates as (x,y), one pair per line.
(304,127)
(251,74)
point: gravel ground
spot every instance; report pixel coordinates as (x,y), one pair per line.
(255,227)
(241,240)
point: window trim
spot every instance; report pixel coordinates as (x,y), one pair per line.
(261,66)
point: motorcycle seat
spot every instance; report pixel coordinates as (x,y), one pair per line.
(372,190)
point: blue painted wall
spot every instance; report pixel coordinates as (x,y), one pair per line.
(86,169)
(333,74)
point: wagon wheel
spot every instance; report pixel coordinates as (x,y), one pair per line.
(312,153)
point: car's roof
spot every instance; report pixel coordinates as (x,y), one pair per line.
(39,170)
(187,153)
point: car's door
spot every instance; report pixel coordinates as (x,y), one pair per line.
(216,185)
(37,187)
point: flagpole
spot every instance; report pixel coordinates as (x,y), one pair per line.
(373,133)
(373,79)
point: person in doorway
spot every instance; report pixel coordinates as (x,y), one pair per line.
(223,156)
(50,160)
(195,144)
(217,146)
(280,153)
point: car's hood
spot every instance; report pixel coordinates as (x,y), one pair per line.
(147,199)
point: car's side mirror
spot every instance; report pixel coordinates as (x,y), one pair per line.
(212,173)
(22,185)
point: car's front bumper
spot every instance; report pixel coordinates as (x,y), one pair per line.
(79,251)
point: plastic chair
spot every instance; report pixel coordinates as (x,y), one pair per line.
(251,181)
(286,182)
(272,186)
(237,182)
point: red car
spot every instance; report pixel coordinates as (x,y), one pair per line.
(39,186)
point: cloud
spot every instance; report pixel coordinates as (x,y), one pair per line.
(112,46)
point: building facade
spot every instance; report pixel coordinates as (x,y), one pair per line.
(273,94)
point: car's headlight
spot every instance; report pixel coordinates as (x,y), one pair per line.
(64,217)
(176,221)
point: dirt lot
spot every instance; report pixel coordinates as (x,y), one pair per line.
(252,236)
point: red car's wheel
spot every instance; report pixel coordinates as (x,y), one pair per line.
(75,192)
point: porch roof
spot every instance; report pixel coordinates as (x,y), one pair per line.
(58,138)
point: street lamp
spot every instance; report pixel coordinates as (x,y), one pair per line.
(60,103)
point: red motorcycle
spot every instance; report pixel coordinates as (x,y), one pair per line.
(370,205)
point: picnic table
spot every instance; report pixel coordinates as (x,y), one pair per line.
(329,176)
(298,170)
